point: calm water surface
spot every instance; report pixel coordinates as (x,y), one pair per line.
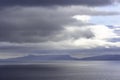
(83,70)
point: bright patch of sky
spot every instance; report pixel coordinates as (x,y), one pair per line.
(107,20)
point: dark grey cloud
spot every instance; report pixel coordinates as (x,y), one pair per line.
(37,24)
(30,25)
(5,3)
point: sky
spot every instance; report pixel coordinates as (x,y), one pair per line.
(59,27)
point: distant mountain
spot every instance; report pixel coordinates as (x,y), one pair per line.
(103,57)
(35,58)
(40,58)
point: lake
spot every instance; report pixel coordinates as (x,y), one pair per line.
(61,70)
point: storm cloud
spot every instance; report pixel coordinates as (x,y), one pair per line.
(6,3)
(38,24)
(52,26)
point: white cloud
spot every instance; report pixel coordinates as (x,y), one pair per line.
(83,18)
(102,32)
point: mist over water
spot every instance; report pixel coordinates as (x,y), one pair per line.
(81,70)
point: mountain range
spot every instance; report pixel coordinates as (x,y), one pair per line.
(61,57)
(40,58)
(102,57)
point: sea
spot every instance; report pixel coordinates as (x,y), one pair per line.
(61,70)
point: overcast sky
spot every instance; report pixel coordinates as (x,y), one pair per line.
(59,27)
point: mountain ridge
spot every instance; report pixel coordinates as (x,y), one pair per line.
(41,57)
(103,57)
(62,57)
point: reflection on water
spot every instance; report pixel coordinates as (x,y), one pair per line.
(91,70)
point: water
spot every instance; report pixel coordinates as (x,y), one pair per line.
(84,70)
